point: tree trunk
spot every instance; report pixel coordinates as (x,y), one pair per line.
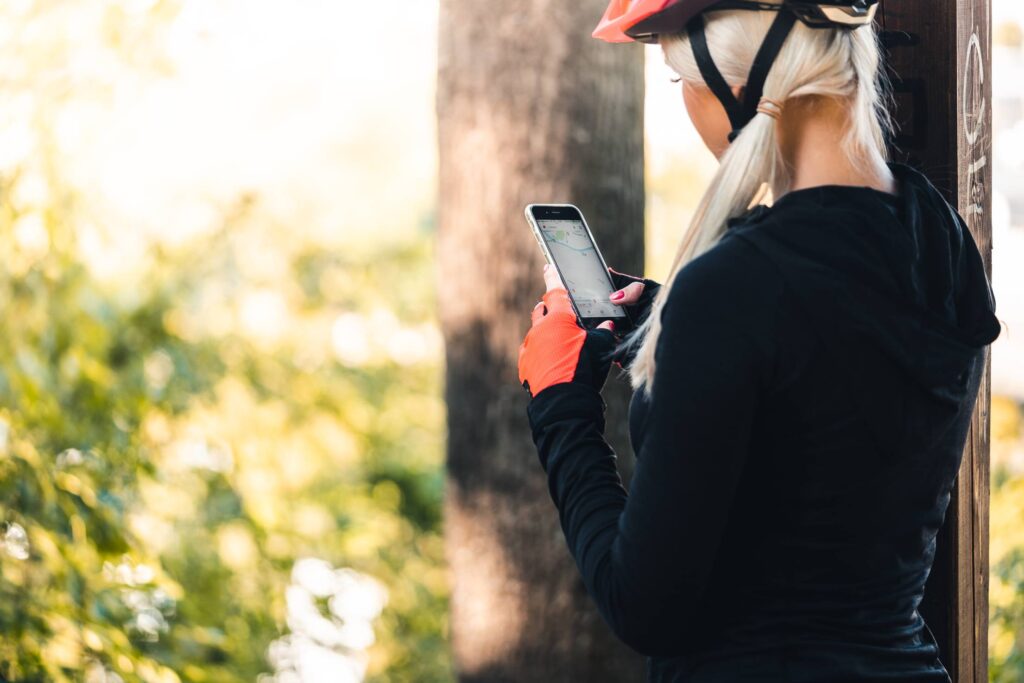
(530,109)
(940,60)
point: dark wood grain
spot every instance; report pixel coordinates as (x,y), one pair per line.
(940,58)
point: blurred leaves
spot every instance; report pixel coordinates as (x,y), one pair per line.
(136,432)
(1006,552)
(181,422)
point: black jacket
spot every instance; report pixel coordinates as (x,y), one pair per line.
(816,374)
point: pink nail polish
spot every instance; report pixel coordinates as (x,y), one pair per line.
(617,295)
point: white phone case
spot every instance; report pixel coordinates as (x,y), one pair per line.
(550,259)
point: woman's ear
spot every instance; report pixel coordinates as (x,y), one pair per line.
(708,116)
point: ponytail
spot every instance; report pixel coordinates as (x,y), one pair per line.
(831,62)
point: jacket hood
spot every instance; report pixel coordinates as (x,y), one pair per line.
(897,292)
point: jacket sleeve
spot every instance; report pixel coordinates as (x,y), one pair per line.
(646,557)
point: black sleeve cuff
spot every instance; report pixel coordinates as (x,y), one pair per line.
(565,401)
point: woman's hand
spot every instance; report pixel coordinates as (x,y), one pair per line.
(557,350)
(631,287)
(635,294)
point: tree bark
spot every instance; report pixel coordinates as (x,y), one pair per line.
(530,109)
(940,57)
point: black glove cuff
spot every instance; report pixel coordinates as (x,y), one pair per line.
(638,312)
(568,400)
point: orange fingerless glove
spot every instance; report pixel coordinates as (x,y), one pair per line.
(557,349)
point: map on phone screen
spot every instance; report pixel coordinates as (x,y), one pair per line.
(580,267)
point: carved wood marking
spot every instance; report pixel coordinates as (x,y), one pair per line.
(973,115)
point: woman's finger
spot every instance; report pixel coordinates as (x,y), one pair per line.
(629,294)
(557,302)
(607,325)
(551,277)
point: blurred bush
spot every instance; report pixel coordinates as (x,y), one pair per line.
(220,454)
(1006,587)
(171,445)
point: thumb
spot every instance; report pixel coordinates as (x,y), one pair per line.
(607,325)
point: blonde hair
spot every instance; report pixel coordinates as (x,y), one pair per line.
(838,63)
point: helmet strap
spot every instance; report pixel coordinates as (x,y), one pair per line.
(740,113)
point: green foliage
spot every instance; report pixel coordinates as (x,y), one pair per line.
(1006,586)
(180,423)
(167,475)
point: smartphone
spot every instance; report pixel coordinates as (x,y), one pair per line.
(569,246)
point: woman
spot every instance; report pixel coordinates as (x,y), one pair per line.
(804,378)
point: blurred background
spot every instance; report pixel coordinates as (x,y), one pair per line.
(221,409)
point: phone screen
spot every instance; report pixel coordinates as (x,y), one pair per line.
(580,267)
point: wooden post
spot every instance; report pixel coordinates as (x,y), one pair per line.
(940,57)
